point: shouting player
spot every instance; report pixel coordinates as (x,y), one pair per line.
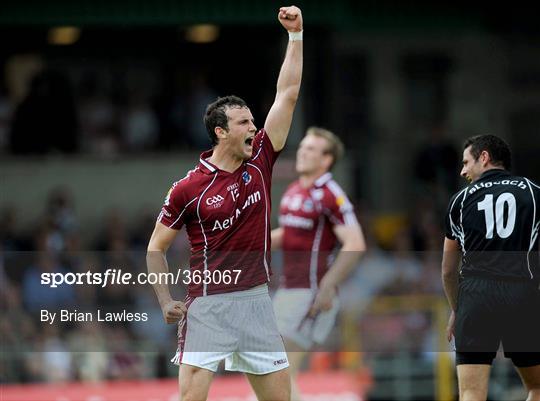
(492,227)
(315,214)
(224,202)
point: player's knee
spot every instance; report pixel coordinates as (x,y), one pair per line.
(190,395)
(472,395)
(285,395)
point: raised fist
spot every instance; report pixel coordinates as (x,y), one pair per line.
(291,18)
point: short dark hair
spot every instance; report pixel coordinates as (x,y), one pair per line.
(498,149)
(215,115)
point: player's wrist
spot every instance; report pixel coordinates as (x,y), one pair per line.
(296,35)
(327,284)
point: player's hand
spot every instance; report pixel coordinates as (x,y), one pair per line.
(323,300)
(173,311)
(291,18)
(450,327)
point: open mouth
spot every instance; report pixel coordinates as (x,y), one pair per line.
(249,141)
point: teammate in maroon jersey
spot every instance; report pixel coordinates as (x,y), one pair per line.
(224,202)
(314,215)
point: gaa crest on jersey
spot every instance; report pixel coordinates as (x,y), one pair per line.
(215,201)
(246,177)
(307,206)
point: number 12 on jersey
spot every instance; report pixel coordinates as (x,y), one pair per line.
(495,216)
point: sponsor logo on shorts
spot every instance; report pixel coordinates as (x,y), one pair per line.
(280,362)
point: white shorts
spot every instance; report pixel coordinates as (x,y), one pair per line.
(291,306)
(238,327)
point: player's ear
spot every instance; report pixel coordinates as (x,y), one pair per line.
(220,133)
(327,160)
(484,158)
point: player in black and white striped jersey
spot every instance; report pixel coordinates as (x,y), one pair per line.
(492,228)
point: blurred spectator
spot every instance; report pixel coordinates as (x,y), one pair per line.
(143,228)
(60,210)
(55,358)
(98,117)
(37,296)
(9,239)
(175,122)
(124,364)
(46,120)
(6,111)
(201,96)
(140,126)
(113,233)
(436,166)
(88,344)
(406,266)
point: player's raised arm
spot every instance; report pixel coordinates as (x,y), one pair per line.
(278,121)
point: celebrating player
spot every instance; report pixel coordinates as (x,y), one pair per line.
(224,202)
(314,214)
(492,226)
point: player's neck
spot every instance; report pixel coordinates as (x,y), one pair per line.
(223,160)
(307,180)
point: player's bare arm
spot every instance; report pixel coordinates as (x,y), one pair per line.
(156,262)
(450,275)
(278,121)
(276,236)
(353,247)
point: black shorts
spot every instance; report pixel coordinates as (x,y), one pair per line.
(491,312)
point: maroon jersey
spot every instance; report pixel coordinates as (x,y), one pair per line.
(227,218)
(307,216)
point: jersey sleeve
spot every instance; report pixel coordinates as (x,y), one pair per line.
(264,154)
(338,207)
(535,193)
(173,212)
(452,228)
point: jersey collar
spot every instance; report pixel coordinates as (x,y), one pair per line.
(204,165)
(323,179)
(493,172)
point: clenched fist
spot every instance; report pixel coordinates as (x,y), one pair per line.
(291,18)
(173,311)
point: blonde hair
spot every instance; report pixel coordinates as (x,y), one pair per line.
(335,146)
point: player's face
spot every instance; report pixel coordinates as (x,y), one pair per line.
(310,156)
(472,169)
(241,132)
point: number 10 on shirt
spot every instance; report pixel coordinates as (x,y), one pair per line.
(496,219)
